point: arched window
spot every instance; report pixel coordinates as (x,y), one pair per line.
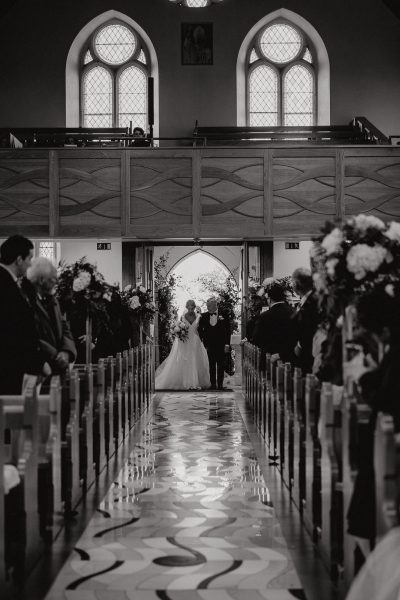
(115,66)
(281,77)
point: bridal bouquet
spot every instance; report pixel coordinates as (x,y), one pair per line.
(181,331)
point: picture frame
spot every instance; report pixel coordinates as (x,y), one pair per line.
(395,140)
(197,44)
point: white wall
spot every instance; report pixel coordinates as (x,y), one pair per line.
(109,262)
(286,261)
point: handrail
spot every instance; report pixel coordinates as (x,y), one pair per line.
(371,133)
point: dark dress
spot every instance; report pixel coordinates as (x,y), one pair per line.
(19,346)
(215,338)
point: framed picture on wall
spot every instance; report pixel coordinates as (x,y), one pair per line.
(395,140)
(197,43)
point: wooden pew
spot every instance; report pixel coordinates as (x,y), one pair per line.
(23,544)
(298,479)
(332,518)
(288,426)
(71,445)
(312,502)
(387,475)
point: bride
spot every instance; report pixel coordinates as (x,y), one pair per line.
(186,366)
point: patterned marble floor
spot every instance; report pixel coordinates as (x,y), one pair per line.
(189,517)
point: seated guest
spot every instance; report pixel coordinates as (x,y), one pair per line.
(55,337)
(140,137)
(306,319)
(275,331)
(19,343)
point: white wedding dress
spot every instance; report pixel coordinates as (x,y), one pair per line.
(186,366)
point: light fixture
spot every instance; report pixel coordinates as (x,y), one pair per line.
(195,3)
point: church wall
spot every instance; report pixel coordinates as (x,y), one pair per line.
(362,39)
(109,262)
(286,261)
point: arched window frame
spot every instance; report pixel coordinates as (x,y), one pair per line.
(114,70)
(281,68)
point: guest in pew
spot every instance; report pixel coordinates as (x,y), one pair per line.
(275,330)
(379,381)
(139,138)
(306,319)
(20,351)
(55,337)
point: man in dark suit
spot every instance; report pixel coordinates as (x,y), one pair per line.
(55,337)
(275,329)
(19,342)
(214,332)
(306,318)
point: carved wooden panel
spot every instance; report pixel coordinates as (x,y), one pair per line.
(304,192)
(90,193)
(232,192)
(161,195)
(24,193)
(372,184)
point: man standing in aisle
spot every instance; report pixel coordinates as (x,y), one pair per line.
(214,332)
(19,342)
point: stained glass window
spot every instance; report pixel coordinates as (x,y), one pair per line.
(298,96)
(47,249)
(132,97)
(281,86)
(114,78)
(196,3)
(263,100)
(97,98)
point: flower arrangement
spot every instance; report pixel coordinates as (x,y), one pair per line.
(139,301)
(181,330)
(165,284)
(82,288)
(352,259)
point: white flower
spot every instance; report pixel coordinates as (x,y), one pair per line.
(389,289)
(77,285)
(261,291)
(142,289)
(393,233)
(331,266)
(134,302)
(362,259)
(364,222)
(268,281)
(220,318)
(339,322)
(127,288)
(176,329)
(107,296)
(333,241)
(85,278)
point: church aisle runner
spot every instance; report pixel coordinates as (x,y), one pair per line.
(189,517)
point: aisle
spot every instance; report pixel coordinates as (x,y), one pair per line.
(189,517)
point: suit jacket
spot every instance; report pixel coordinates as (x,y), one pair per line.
(216,336)
(19,342)
(54,331)
(306,319)
(275,332)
